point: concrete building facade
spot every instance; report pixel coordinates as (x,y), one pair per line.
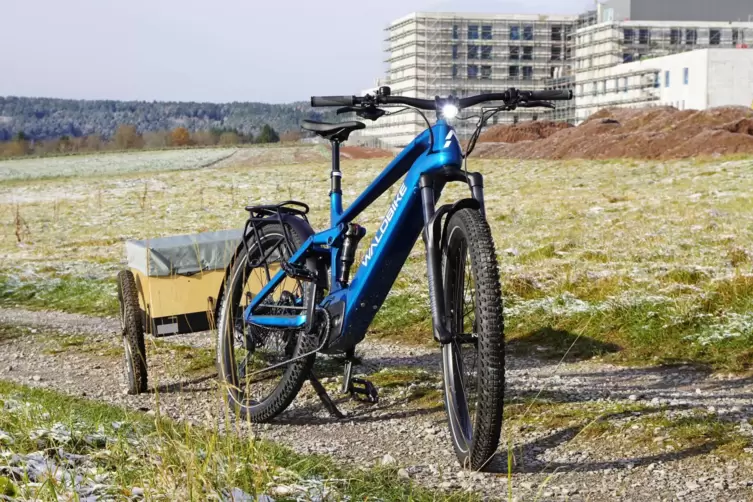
(604,55)
(696,80)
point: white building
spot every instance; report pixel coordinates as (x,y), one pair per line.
(624,63)
(697,80)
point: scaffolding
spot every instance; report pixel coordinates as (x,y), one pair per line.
(432,54)
(624,43)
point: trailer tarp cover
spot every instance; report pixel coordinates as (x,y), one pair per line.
(183,254)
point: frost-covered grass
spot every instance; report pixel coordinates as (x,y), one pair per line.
(107,164)
(651,257)
(56,447)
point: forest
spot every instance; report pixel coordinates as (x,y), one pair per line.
(49,118)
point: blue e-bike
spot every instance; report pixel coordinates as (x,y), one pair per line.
(289,293)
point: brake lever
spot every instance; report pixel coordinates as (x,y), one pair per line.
(536,104)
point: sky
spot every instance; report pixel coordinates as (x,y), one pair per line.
(272,51)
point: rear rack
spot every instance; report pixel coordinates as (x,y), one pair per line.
(265,214)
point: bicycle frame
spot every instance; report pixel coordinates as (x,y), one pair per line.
(427,165)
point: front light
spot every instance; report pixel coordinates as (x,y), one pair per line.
(450,111)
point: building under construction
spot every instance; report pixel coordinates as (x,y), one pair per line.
(438,54)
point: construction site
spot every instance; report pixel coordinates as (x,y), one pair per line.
(623,53)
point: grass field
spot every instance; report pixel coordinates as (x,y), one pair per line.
(74,448)
(643,262)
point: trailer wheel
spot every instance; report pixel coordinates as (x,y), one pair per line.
(134,360)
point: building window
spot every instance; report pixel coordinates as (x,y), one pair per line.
(514,71)
(686,76)
(657,80)
(486,72)
(625,84)
(514,32)
(455,31)
(715,37)
(644,36)
(472,51)
(527,53)
(486,52)
(666,78)
(472,71)
(674,36)
(528,73)
(616,85)
(514,53)
(473,32)
(515,119)
(556,33)
(454,52)
(486,32)
(691,37)
(735,37)
(528,33)
(627,57)
(556,53)
(628,35)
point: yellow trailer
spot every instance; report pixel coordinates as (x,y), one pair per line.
(172,285)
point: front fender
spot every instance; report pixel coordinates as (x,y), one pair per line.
(434,235)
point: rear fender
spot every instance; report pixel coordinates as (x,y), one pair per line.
(302,227)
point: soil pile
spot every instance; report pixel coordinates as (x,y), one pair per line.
(524,131)
(362,152)
(649,133)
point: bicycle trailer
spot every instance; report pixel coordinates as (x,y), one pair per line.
(178,279)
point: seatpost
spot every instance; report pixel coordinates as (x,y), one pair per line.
(335,194)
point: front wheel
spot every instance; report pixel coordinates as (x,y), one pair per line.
(473,363)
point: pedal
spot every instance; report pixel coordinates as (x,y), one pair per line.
(298,272)
(361,387)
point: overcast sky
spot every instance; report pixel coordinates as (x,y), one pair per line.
(222,50)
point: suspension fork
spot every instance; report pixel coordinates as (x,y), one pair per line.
(433,238)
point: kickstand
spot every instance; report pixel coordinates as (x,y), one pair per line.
(326,400)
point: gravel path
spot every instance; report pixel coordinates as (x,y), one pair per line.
(627,454)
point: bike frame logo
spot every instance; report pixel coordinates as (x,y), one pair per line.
(385,224)
(448,139)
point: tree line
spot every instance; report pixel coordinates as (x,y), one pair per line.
(53,119)
(127,137)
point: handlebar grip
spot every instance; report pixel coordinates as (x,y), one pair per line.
(333,100)
(551,95)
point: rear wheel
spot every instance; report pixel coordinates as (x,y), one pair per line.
(134,349)
(473,364)
(244,349)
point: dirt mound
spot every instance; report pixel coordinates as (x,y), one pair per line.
(525,131)
(653,133)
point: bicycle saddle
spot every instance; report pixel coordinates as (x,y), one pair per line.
(334,132)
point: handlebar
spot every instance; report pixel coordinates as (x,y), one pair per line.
(333,100)
(512,95)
